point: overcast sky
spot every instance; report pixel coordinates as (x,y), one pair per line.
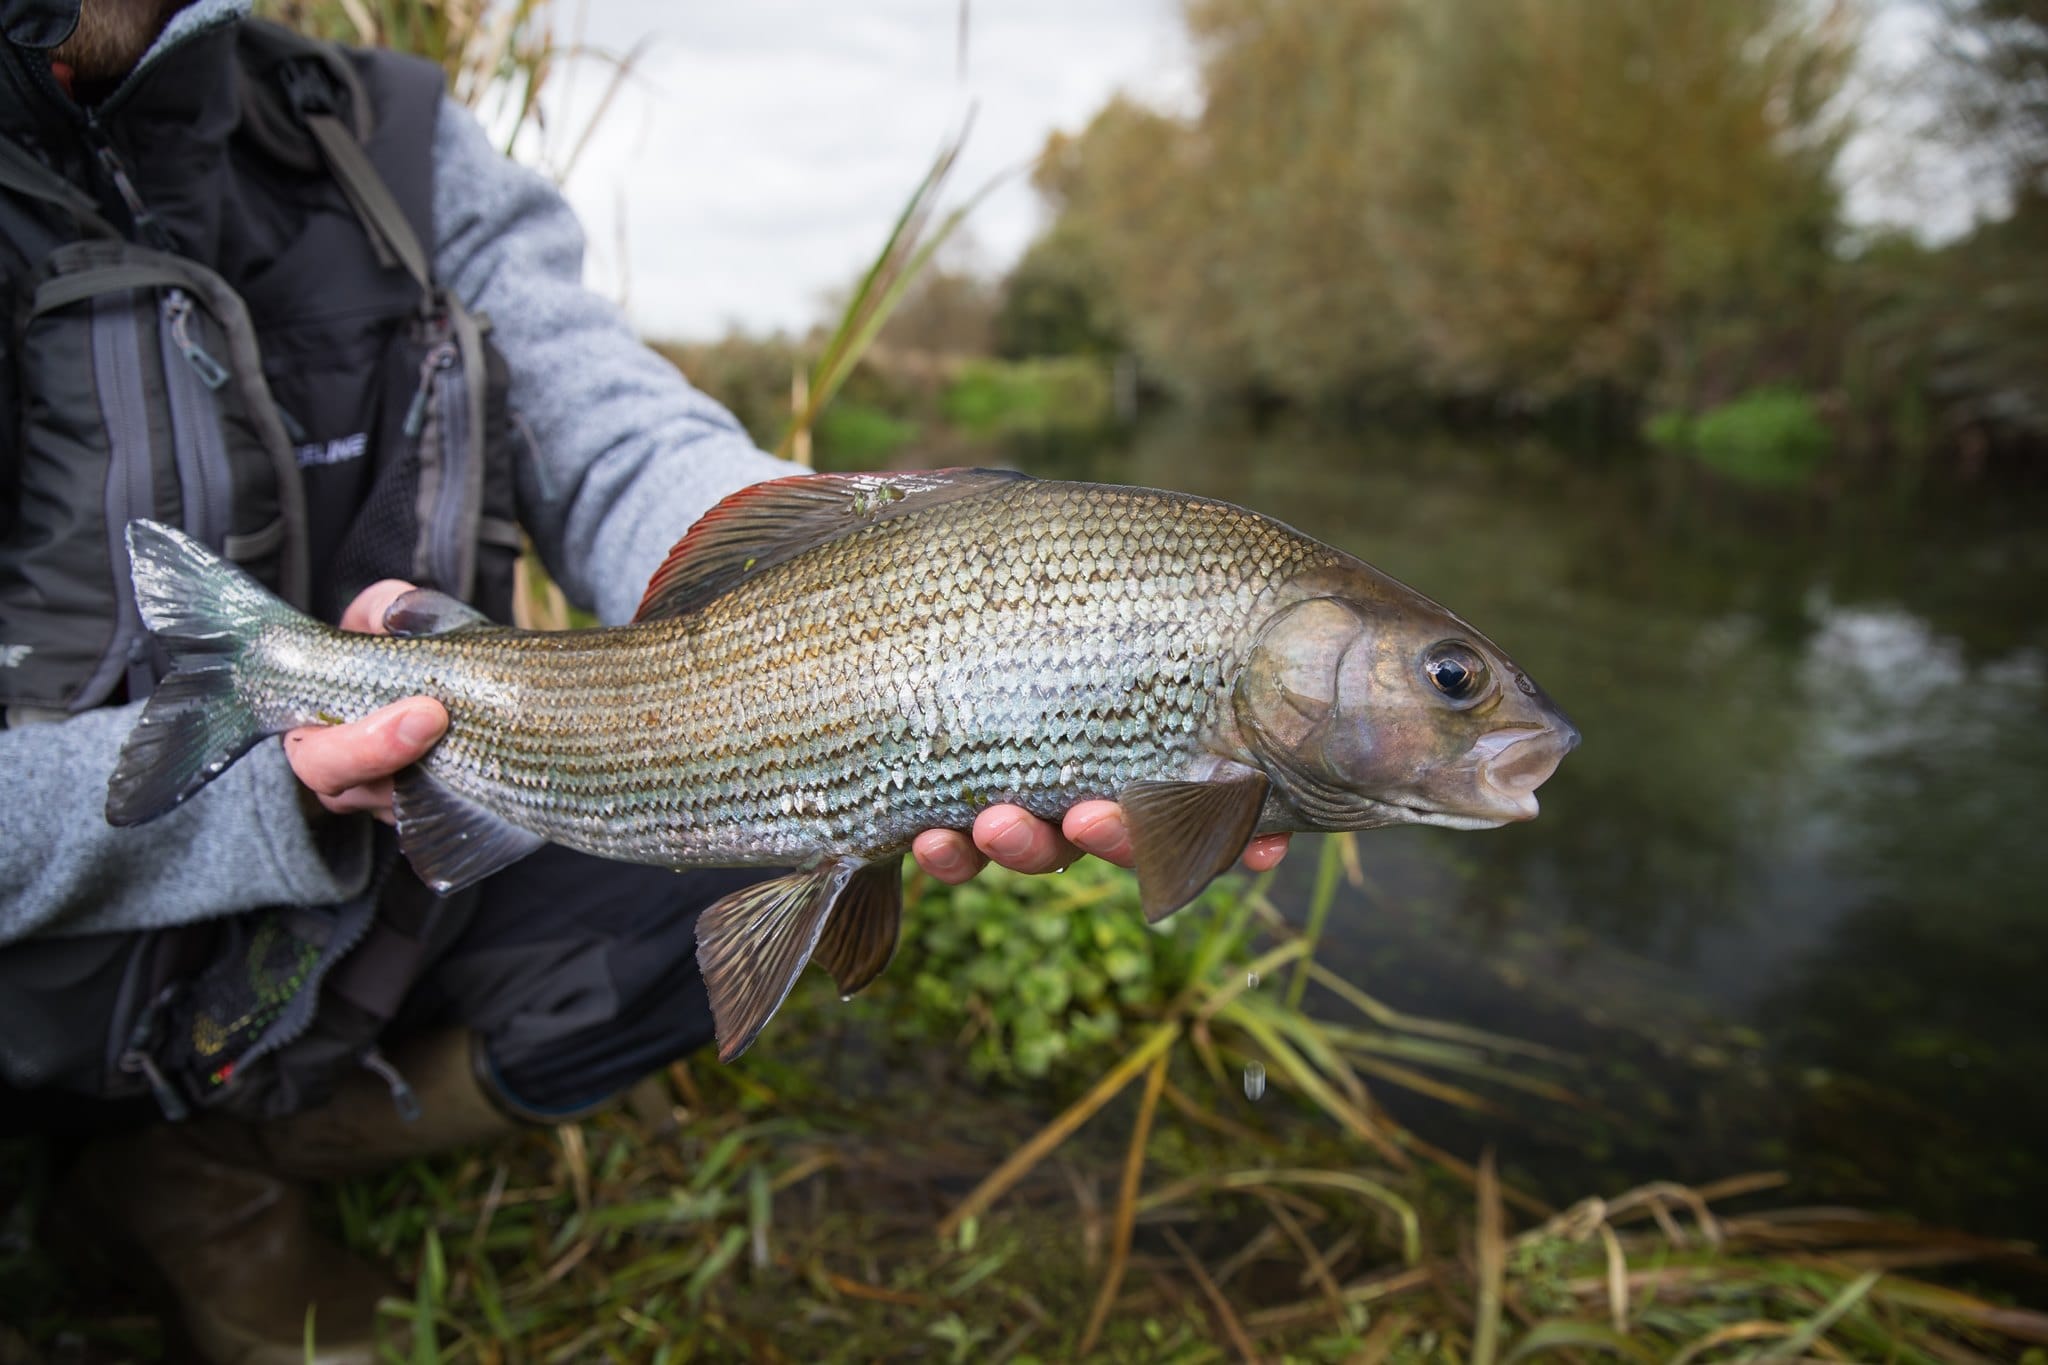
(764,147)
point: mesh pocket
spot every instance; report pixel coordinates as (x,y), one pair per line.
(228,1007)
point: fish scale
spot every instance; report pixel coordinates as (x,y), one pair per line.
(827,666)
(896,679)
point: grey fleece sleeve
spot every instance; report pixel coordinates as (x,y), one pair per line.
(627,454)
(239,844)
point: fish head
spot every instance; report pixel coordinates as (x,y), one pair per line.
(1367,704)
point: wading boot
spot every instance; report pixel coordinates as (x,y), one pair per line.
(219,1210)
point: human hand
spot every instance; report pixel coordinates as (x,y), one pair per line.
(1020,841)
(349,767)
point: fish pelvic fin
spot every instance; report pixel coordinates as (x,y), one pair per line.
(450,840)
(753,944)
(772,523)
(860,933)
(1186,834)
(204,612)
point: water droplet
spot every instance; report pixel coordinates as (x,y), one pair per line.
(1254,1080)
(1251,981)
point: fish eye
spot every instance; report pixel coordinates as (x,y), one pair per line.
(1456,671)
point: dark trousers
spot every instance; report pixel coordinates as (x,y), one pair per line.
(579,974)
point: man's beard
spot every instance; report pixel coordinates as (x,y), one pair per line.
(112,35)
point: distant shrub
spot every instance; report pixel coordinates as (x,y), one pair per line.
(1029,397)
(859,436)
(1772,437)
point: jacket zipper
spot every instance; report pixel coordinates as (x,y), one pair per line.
(442,385)
(146,222)
(204,472)
(439,357)
(117,353)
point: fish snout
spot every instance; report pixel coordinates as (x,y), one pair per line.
(1514,763)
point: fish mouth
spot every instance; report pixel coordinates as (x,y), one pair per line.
(1512,763)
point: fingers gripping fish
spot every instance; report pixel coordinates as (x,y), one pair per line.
(826,666)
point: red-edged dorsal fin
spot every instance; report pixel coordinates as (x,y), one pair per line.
(772,523)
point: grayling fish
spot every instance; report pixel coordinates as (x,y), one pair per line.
(827,665)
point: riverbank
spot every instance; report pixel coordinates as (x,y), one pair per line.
(1037,1138)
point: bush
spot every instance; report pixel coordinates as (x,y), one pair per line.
(1029,398)
(1771,437)
(860,436)
(1041,971)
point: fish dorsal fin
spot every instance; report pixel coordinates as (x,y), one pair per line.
(1186,834)
(425,611)
(451,841)
(772,523)
(860,937)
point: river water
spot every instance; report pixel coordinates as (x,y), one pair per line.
(1789,899)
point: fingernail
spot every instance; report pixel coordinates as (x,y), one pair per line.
(417,725)
(1088,833)
(1012,841)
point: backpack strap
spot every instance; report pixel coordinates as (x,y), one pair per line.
(22,173)
(391,236)
(296,89)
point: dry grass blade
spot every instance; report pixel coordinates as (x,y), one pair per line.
(1020,1162)
(1617,1278)
(1126,1204)
(1214,1122)
(1318,1270)
(1389,1017)
(1218,998)
(1310,1082)
(1492,1250)
(1232,1325)
(1369,1290)
(1808,1334)
(1255,1246)
(1757,1330)
(1380,1342)
(1374,1193)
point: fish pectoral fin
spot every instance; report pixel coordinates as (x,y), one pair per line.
(427,611)
(771,523)
(451,841)
(860,932)
(1186,834)
(752,945)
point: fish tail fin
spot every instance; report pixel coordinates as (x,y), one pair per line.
(204,612)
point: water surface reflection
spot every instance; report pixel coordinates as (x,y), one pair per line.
(1789,892)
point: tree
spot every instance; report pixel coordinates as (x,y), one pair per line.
(1510,198)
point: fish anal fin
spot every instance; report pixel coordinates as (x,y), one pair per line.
(427,611)
(451,841)
(1186,834)
(860,933)
(752,945)
(771,523)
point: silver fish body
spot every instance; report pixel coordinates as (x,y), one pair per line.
(824,668)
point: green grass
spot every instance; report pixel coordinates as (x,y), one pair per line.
(1030,1142)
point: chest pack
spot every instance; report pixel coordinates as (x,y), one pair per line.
(299,393)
